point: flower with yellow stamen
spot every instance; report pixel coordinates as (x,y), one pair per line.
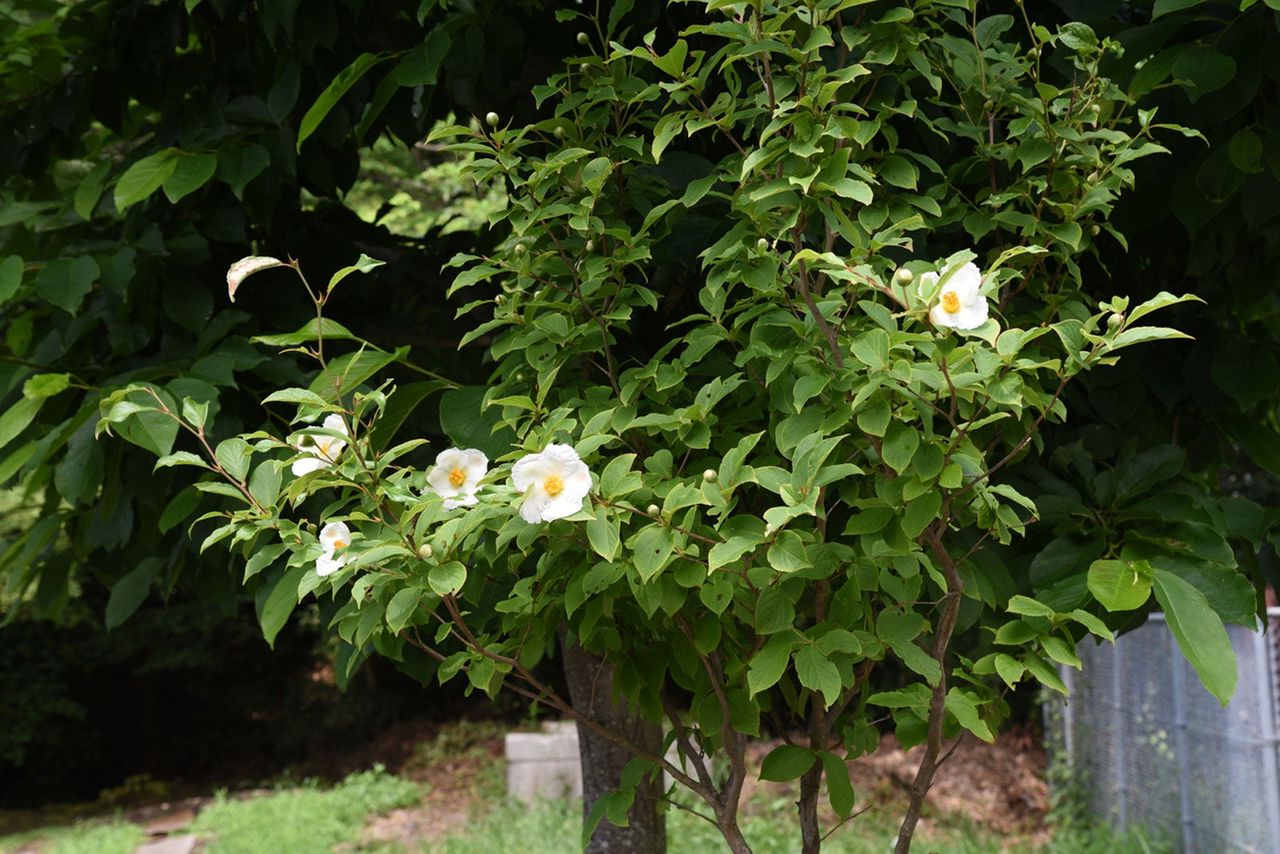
(554,483)
(456,476)
(960,304)
(334,537)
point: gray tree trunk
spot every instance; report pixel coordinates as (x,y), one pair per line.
(591,691)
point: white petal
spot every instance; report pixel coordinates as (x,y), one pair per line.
(578,482)
(938,316)
(561,506)
(475,464)
(528,471)
(307,465)
(534,503)
(335,423)
(971,316)
(333,533)
(451,504)
(562,454)
(965,282)
(929,280)
(326,565)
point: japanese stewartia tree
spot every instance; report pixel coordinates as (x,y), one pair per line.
(780,301)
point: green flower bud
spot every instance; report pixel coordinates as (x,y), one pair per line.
(521,249)
(583,38)
(904,276)
(710,475)
(559,132)
(491,119)
(1095,230)
(653,510)
(1115,319)
(591,246)
(762,245)
(425,551)
(584,69)
(500,299)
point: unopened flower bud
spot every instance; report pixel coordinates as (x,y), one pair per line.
(521,249)
(653,510)
(425,551)
(559,132)
(1093,177)
(591,246)
(1034,53)
(520,377)
(500,299)
(584,69)
(1115,319)
(988,105)
(709,475)
(583,38)
(1095,230)
(762,244)
(904,276)
(491,119)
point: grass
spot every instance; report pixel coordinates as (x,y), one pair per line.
(114,837)
(302,819)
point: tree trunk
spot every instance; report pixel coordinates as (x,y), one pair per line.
(591,691)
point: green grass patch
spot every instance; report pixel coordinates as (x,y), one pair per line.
(114,837)
(302,819)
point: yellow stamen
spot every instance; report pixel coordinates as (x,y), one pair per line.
(339,544)
(553,485)
(457,477)
(950,302)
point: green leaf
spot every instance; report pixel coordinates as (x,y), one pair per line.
(966,713)
(787,554)
(651,550)
(16,418)
(278,603)
(401,607)
(179,508)
(447,578)
(768,665)
(774,612)
(333,93)
(90,190)
(818,674)
(900,443)
(1200,634)
(144,177)
(603,534)
(1166,7)
(469,426)
(363,265)
(786,762)
(1029,607)
(839,783)
(46,385)
(130,591)
(190,173)
(233,455)
(1009,668)
(330,330)
(1120,585)
(1206,68)
(238,165)
(65,282)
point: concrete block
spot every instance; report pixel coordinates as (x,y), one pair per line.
(545,764)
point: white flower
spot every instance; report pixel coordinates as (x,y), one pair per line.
(960,305)
(554,483)
(456,476)
(333,537)
(324,450)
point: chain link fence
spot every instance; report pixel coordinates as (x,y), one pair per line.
(1146,745)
